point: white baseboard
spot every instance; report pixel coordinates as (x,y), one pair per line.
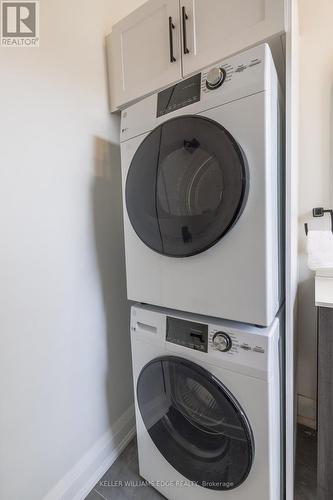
(78,482)
(306,411)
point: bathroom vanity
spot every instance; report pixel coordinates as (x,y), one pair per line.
(324,303)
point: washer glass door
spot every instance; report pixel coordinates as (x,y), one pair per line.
(196,423)
(186,186)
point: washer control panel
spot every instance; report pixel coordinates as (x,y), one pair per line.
(209,338)
(212,342)
(231,343)
(188,334)
(222,342)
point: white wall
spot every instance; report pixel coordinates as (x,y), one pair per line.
(64,346)
(315,171)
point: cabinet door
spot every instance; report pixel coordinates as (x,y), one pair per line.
(214,29)
(144,51)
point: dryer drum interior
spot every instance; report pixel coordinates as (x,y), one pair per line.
(186,186)
(196,423)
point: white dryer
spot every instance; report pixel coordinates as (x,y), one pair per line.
(200,169)
(207,404)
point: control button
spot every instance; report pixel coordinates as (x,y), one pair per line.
(215,78)
(222,342)
(246,347)
(254,62)
(240,68)
(259,349)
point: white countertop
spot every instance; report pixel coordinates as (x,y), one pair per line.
(324,288)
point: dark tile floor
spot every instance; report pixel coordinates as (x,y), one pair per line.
(122,480)
(306,464)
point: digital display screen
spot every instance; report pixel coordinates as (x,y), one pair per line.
(180,95)
(187,334)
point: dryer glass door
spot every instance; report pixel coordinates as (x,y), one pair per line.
(196,423)
(186,186)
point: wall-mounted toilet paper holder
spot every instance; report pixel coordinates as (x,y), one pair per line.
(320,212)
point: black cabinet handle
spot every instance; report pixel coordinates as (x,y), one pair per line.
(185,18)
(171,27)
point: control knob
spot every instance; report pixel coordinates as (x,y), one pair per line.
(215,78)
(222,341)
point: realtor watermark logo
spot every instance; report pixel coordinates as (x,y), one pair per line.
(19,23)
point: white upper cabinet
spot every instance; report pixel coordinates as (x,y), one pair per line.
(144,51)
(214,29)
(164,41)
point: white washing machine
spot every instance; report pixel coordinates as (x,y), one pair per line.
(207,406)
(200,168)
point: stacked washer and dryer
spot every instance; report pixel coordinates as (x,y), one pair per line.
(203,213)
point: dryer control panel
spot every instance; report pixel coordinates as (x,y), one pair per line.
(183,94)
(188,91)
(237,77)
